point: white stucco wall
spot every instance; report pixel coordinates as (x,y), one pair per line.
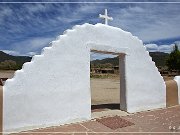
(177,79)
(54,88)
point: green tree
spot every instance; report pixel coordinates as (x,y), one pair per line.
(8,65)
(173,62)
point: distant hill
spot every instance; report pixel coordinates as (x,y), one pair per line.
(158,57)
(19,60)
(113,61)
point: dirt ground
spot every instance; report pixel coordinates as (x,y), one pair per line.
(6,73)
(104,91)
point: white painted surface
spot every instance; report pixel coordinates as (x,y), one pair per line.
(105,17)
(177,79)
(54,88)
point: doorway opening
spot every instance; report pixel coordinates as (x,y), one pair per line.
(107,72)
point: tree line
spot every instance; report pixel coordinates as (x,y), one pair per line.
(173,62)
(10,65)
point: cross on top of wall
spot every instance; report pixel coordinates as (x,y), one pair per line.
(105,17)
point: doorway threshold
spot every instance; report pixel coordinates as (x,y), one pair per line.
(107,113)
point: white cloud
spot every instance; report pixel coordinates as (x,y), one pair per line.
(166,48)
(151,47)
(5,12)
(16,53)
(101,56)
(11,52)
(31,53)
(33,8)
(31,46)
(161,48)
(150,22)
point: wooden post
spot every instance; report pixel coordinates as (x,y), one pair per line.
(122,71)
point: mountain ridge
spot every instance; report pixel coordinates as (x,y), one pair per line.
(17,61)
(158,57)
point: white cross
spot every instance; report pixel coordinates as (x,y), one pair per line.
(105,17)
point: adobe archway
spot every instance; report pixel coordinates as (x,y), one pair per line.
(54,88)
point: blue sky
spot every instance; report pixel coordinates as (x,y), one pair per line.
(25,28)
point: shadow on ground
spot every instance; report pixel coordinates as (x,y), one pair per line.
(106,106)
